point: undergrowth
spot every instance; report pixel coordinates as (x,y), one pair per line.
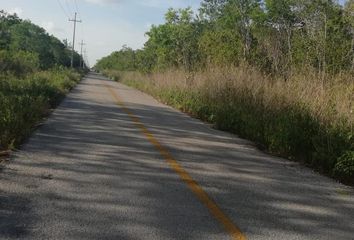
(307,121)
(24,101)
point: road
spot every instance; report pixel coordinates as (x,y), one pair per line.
(113,163)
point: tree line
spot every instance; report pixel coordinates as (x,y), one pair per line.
(277,36)
(26,47)
(277,72)
(34,77)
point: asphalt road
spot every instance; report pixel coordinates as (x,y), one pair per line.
(113,163)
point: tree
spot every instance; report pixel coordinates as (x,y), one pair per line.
(211,10)
(22,42)
(6,21)
(174,42)
(281,37)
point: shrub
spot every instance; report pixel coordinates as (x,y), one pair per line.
(24,101)
(344,168)
(18,63)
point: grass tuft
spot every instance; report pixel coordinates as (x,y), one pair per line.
(306,118)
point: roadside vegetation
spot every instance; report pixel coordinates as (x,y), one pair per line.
(34,76)
(280,73)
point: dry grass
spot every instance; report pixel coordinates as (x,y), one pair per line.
(306,117)
(329,100)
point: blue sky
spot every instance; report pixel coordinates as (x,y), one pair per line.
(107,24)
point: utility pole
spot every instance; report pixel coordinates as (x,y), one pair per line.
(86,59)
(73,47)
(81,59)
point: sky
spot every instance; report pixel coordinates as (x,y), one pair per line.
(106,25)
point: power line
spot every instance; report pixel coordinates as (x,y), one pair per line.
(86,58)
(73,47)
(81,59)
(62,8)
(76,5)
(68,7)
(85,62)
(82,34)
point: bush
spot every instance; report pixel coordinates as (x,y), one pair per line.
(112,74)
(344,168)
(24,101)
(18,63)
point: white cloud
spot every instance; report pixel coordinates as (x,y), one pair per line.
(50,27)
(148,25)
(16,10)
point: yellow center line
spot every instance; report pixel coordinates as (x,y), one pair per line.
(203,197)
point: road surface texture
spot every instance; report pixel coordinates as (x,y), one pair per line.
(113,163)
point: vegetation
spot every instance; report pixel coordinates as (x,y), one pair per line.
(277,72)
(278,37)
(33,77)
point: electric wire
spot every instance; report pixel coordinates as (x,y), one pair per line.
(69,8)
(76,6)
(62,8)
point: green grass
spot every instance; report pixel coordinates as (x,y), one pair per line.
(25,101)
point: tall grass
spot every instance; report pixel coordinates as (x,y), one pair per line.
(306,118)
(24,101)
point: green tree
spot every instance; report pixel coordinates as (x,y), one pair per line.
(211,10)
(6,21)
(174,42)
(281,37)
(18,36)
